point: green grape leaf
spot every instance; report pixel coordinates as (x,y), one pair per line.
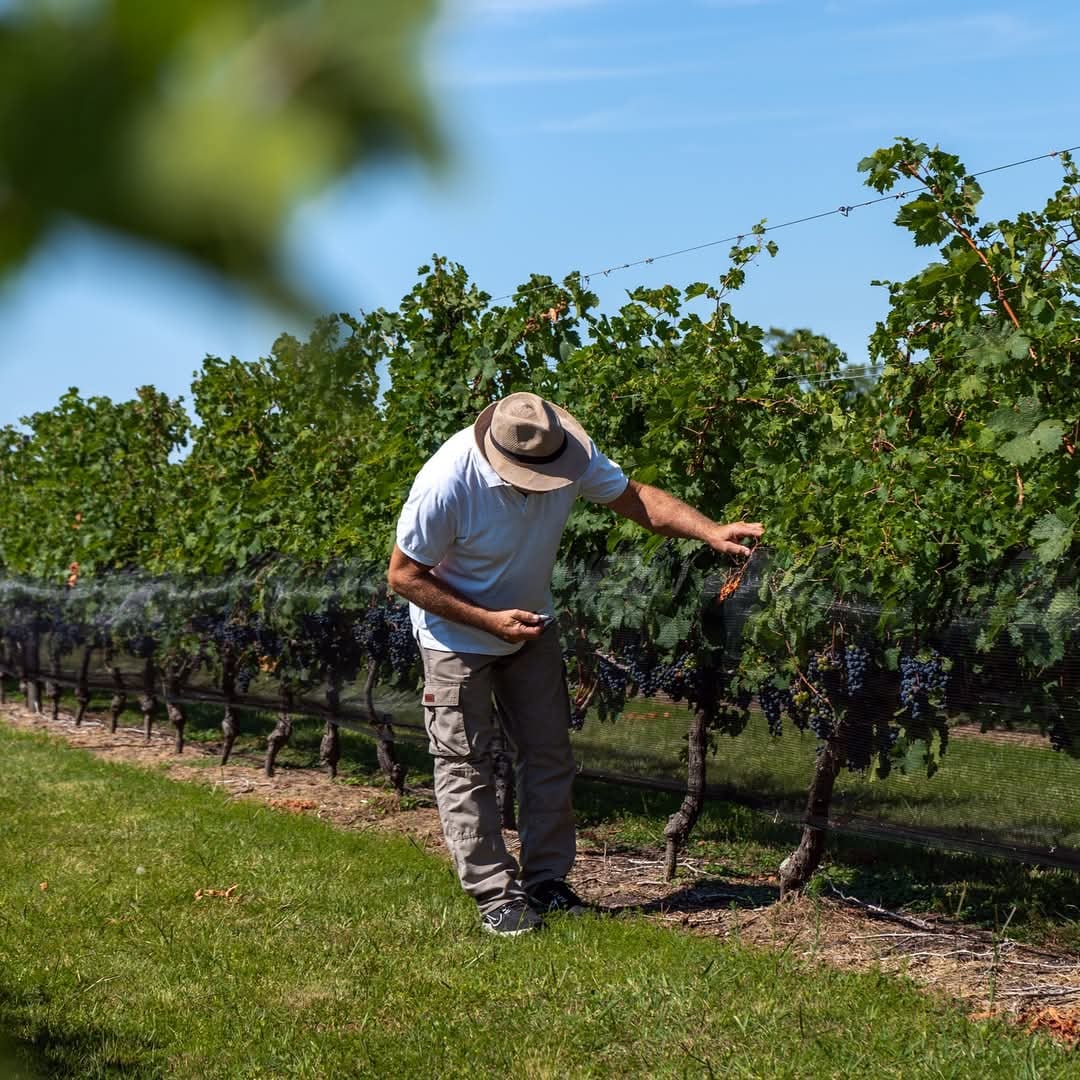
(1052,537)
(1024,448)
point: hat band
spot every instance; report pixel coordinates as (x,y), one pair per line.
(529,459)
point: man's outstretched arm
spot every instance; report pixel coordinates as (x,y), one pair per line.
(662,513)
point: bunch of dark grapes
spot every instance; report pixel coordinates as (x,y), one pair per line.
(331,634)
(372,633)
(922,685)
(680,679)
(819,717)
(774,703)
(611,677)
(641,670)
(856,665)
(401,645)
(577,718)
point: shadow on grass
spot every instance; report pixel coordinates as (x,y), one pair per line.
(60,1055)
(708,894)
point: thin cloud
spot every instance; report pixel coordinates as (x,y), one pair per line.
(988,31)
(637,117)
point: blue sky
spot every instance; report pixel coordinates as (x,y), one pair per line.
(584,134)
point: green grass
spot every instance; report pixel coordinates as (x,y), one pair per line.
(350,954)
(732,841)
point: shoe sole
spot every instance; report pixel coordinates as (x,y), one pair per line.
(508,933)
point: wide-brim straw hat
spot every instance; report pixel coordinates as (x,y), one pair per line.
(531,443)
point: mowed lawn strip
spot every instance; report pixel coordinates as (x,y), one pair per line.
(314,952)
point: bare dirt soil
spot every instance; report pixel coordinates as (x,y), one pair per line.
(1037,988)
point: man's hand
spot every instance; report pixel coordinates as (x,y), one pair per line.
(515,625)
(725,537)
(664,514)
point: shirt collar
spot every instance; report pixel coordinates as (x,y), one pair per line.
(490,476)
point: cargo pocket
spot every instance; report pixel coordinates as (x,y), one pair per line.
(444,720)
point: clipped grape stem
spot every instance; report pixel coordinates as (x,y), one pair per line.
(685,818)
(392,769)
(797,869)
(504,773)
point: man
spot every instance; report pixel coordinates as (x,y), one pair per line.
(476,545)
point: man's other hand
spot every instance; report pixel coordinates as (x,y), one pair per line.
(725,538)
(515,625)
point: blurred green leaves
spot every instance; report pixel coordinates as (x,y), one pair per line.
(196,125)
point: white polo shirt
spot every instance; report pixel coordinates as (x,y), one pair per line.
(492,544)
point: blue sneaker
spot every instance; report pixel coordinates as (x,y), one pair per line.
(555,895)
(510,919)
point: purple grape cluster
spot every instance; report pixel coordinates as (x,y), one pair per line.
(922,685)
(384,634)
(856,665)
(774,703)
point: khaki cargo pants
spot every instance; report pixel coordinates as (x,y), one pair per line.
(530,688)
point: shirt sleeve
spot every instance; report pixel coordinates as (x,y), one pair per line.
(603,480)
(427,525)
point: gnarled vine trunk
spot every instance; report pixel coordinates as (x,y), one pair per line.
(176,674)
(30,664)
(230,725)
(52,686)
(282,732)
(5,670)
(797,869)
(119,698)
(685,818)
(82,686)
(147,699)
(330,744)
(392,769)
